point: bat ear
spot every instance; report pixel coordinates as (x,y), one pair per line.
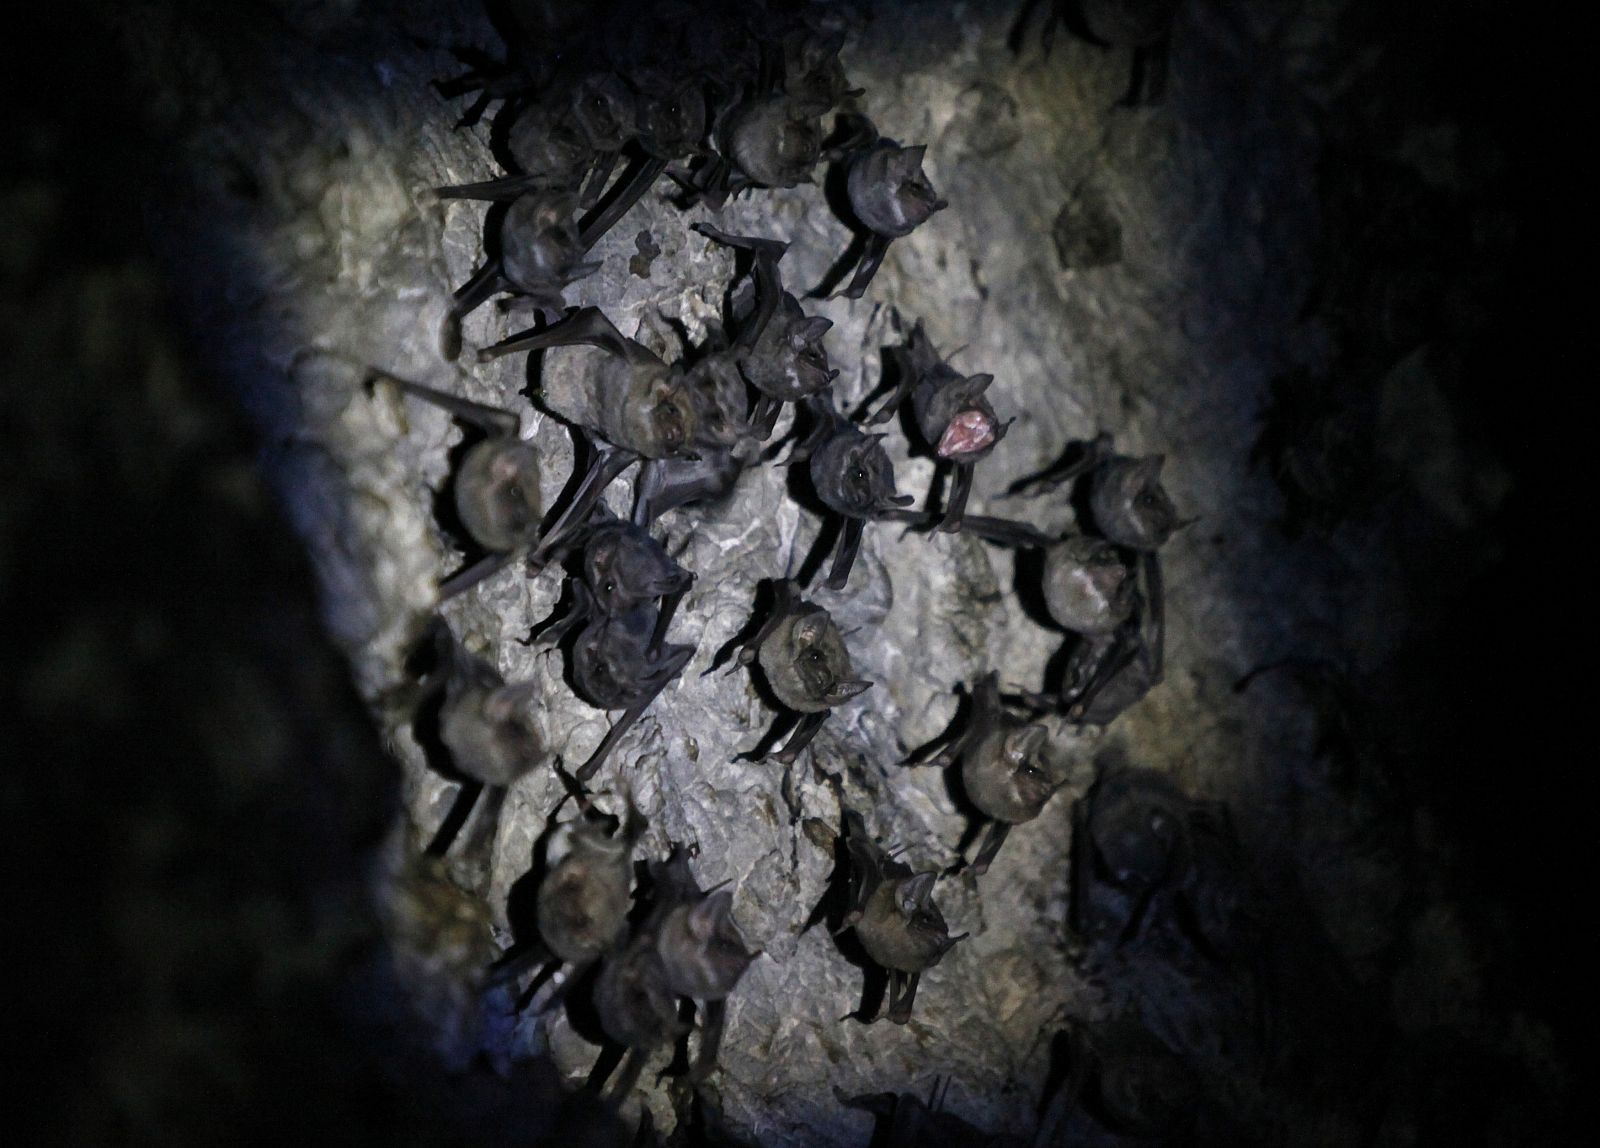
(916,892)
(1150,468)
(1023,743)
(950,942)
(809,630)
(812,329)
(706,917)
(979,383)
(915,154)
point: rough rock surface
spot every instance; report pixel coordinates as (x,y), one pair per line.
(314,248)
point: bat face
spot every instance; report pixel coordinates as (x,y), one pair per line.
(721,403)
(613,665)
(774,142)
(1007,775)
(1129,505)
(657,416)
(672,120)
(544,148)
(852,474)
(789,361)
(901,928)
(701,949)
(603,109)
(955,417)
(1086,586)
(540,249)
(582,907)
(497,493)
(806,662)
(624,568)
(888,189)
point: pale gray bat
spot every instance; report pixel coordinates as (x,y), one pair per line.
(1006,768)
(581,910)
(497,489)
(805,662)
(487,728)
(894,917)
(1087,586)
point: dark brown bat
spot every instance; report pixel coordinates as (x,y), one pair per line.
(631,399)
(889,195)
(778,349)
(581,910)
(701,950)
(724,443)
(1006,769)
(1128,1081)
(497,495)
(956,421)
(637,1010)
(688,946)
(894,917)
(1142,848)
(622,568)
(540,253)
(623,663)
(1127,502)
(1142,26)
(1108,672)
(805,663)
(771,135)
(853,477)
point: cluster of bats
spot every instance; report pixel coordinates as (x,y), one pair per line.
(723,99)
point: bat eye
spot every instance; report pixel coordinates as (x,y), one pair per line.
(814,655)
(610,587)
